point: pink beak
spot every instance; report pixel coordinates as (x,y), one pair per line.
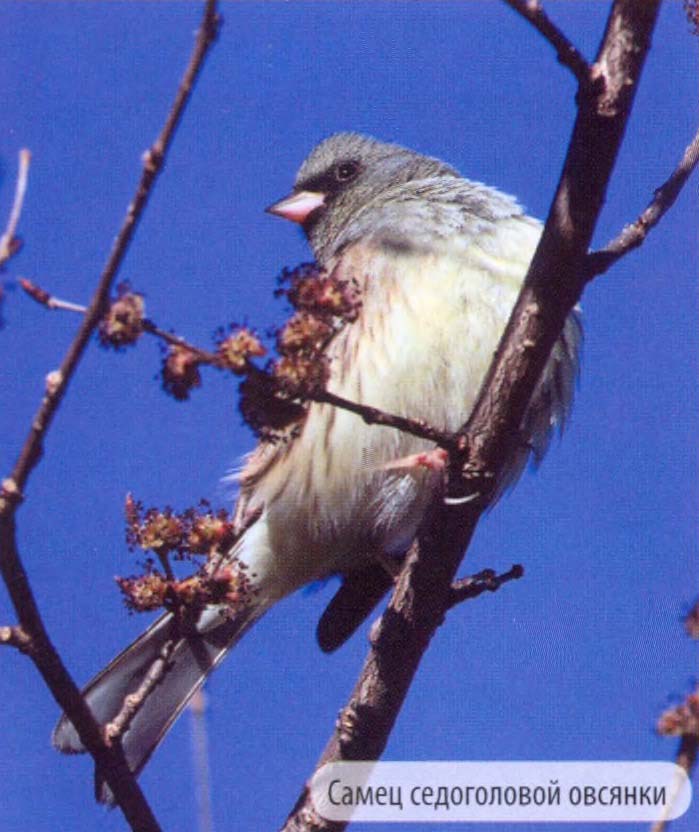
(298,206)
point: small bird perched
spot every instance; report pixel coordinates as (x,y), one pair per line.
(439,262)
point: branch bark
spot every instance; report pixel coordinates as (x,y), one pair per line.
(566,52)
(634,234)
(109,758)
(553,285)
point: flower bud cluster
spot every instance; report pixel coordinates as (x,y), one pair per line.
(122,325)
(682,720)
(322,305)
(200,531)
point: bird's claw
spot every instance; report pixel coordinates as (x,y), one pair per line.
(434,460)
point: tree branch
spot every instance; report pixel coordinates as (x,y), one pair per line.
(633,235)
(135,701)
(551,289)
(485,581)
(566,52)
(371,415)
(374,416)
(16,637)
(47,300)
(152,164)
(110,760)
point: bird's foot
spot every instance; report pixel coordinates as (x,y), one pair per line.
(434,460)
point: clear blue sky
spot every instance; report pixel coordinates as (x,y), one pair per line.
(574,662)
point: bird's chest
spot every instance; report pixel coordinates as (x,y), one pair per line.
(427,331)
(420,347)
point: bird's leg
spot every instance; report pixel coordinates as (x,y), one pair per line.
(434,460)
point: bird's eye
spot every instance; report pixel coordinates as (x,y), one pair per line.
(346,171)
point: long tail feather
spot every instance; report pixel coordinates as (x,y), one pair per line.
(191,661)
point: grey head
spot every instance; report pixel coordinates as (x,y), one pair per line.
(354,187)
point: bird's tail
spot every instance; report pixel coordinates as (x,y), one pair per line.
(190,660)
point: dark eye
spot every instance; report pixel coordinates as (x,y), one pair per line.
(346,171)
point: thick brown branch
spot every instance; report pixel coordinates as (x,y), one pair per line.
(566,52)
(10,244)
(551,289)
(110,760)
(556,276)
(398,641)
(633,235)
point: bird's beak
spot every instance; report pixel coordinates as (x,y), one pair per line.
(298,206)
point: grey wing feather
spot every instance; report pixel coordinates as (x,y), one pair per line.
(551,402)
(191,661)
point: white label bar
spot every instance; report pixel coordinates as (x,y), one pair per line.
(612,792)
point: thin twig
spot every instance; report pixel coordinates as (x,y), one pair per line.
(10,244)
(47,300)
(633,235)
(566,52)
(16,637)
(374,416)
(203,356)
(371,415)
(134,701)
(485,581)
(152,165)
(109,759)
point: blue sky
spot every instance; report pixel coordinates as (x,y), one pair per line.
(575,661)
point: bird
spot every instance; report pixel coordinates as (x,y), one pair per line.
(439,261)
